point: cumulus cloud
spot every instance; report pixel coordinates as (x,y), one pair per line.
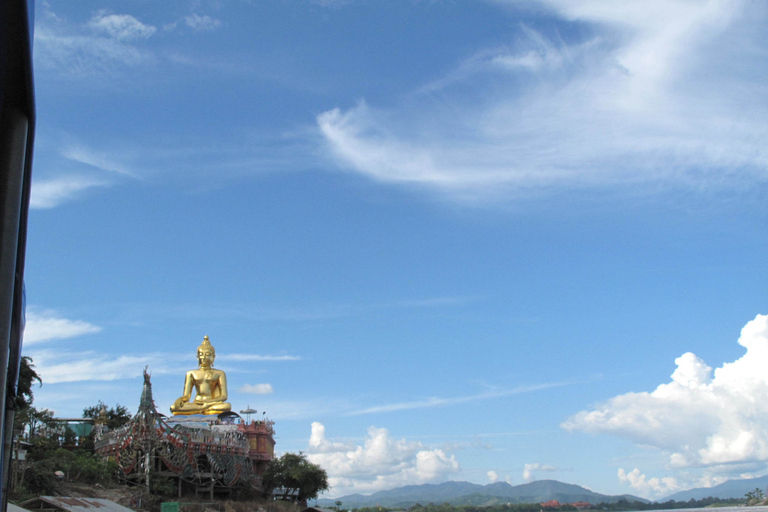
(205,22)
(493,477)
(123,27)
(380,463)
(700,419)
(528,470)
(47,326)
(658,487)
(257,389)
(646,97)
(648,486)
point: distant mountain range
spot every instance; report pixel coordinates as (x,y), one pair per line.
(729,489)
(465,493)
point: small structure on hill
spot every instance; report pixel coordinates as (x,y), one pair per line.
(206,453)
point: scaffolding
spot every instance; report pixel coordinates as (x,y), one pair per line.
(208,456)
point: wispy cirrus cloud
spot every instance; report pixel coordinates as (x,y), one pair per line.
(106,43)
(446,401)
(48,326)
(202,22)
(100,160)
(287,409)
(123,27)
(646,98)
(259,357)
(49,193)
(331,3)
(56,366)
(310,311)
(78,168)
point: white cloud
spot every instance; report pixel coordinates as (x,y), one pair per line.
(648,98)
(105,45)
(82,56)
(283,409)
(699,420)
(257,357)
(205,22)
(55,366)
(380,463)
(443,402)
(331,3)
(648,486)
(92,158)
(48,326)
(528,470)
(659,487)
(493,477)
(257,389)
(53,192)
(123,27)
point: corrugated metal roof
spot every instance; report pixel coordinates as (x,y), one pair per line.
(75,504)
(16,508)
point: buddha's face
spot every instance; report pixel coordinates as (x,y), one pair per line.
(205,357)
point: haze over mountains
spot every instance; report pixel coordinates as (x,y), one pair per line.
(465,493)
(729,489)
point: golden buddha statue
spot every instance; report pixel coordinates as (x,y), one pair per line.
(210,386)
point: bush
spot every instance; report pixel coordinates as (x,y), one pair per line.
(39,477)
(162,487)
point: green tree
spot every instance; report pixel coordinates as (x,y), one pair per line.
(27,377)
(33,421)
(117,416)
(292,472)
(27,418)
(755,497)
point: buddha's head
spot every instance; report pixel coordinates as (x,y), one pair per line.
(206,353)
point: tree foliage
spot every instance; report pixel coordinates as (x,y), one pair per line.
(54,446)
(33,422)
(27,377)
(300,479)
(755,497)
(117,416)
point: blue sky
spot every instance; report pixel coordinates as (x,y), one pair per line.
(433,240)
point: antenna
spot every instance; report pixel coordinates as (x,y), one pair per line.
(248,413)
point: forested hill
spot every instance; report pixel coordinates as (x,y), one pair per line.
(465,493)
(729,489)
